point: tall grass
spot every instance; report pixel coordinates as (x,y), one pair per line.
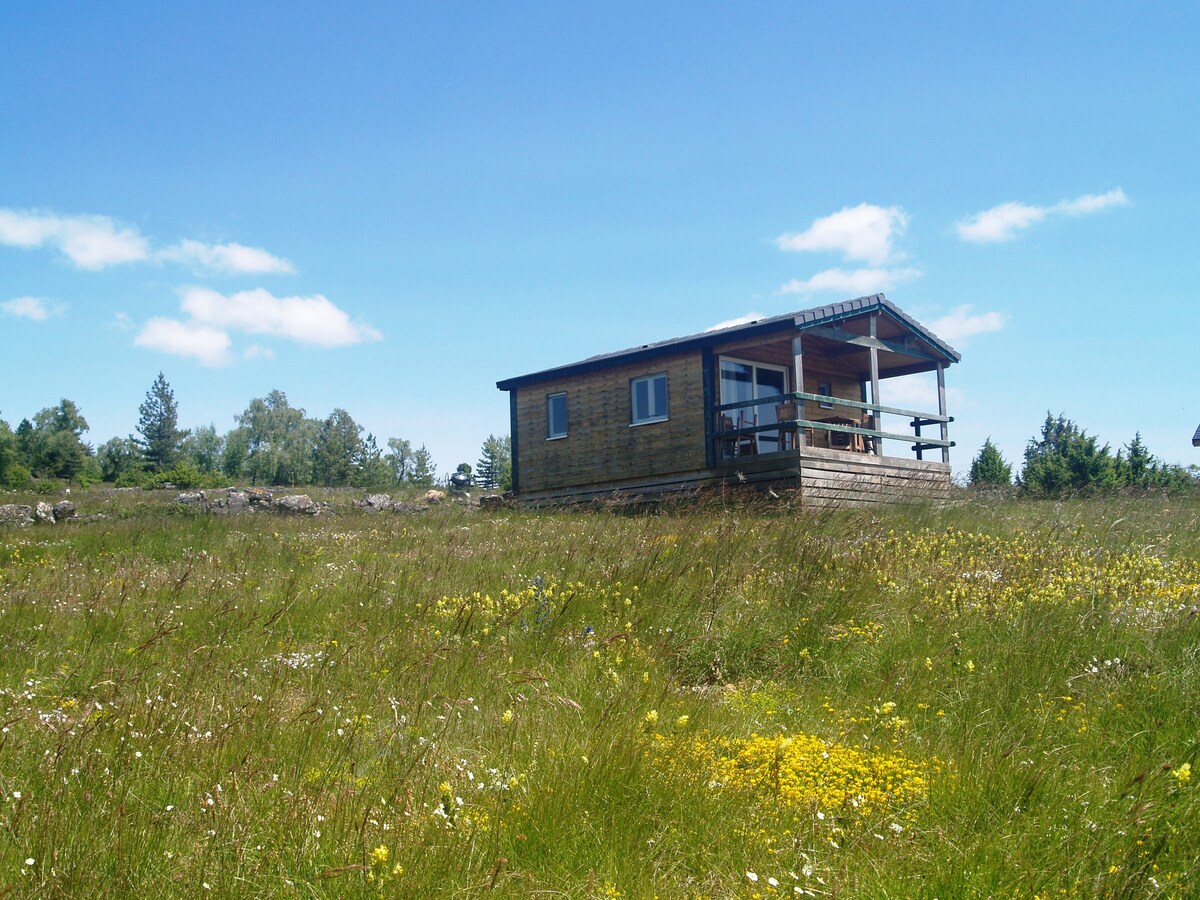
(990,700)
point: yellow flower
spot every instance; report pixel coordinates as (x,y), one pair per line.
(1183,773)
(652,717)
(380,855)
(507,716)
(681,722)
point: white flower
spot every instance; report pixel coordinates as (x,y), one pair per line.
(753,876)
(896,827)
(773,882)
(29,861)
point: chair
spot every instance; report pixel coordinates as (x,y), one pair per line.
(845,440)
(868,440)
(728,443)
(746,444)
(789,431)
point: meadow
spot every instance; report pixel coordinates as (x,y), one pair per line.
(995,699)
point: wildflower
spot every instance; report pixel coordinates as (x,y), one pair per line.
(681,722)
(753,876)
(507,716)
(970,665)
(1183,773)
(652,718)
(29,861)
(380,855)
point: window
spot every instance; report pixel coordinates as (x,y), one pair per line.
(556,416)
(825,388)
(648,399)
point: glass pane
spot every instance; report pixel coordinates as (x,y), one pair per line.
(737,382)
(660,396)
(641,400)
(770,384)
(556,415)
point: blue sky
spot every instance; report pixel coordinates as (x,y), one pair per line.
(388,207)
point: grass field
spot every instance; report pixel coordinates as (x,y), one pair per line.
(998,699)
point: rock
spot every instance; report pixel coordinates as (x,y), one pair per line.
(43,513)
(236,500)
(296,504)
(16,514)
(376,502)
(64,509)
(493,501)
(259,496)
(197,497)
(435,496)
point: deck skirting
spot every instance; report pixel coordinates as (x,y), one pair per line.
(821,478)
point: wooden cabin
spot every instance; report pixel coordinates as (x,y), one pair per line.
(796,401)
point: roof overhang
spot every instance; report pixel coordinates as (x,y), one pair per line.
(911,346)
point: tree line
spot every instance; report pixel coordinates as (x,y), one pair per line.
(1064,460)
(272,444)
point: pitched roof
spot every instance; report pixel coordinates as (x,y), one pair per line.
(1196,437)
(805,318)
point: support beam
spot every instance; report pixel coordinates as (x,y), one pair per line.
(798,365)
(843,336)
(941,383)
(875,378)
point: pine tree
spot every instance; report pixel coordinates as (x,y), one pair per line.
(158,426)
(422,471)
(1066,460)
(494,469)
(989,468)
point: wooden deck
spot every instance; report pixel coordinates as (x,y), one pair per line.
(823,478)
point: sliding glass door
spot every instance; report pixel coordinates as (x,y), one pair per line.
(741,381)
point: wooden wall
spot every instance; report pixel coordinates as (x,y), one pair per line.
(601,446)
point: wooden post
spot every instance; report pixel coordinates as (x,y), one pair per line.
(798,365)
(875,384)
(941,381)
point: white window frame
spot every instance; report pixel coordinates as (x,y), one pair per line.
(655,415)
(551,435)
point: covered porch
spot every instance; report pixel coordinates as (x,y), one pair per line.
(812,404)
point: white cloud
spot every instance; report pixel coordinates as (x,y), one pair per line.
(258,351)
(1006,221)
(96,242)
(854,281)
(34,308)
(961,323)
(1090,203)
(1000,223)
(90,242)
(862,233)
(740,320)
(227,258)
(207,344)
(306,320)
(918,392)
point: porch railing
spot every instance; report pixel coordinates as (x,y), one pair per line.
(720,436)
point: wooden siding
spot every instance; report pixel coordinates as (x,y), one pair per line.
(837,478)
(601,447)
